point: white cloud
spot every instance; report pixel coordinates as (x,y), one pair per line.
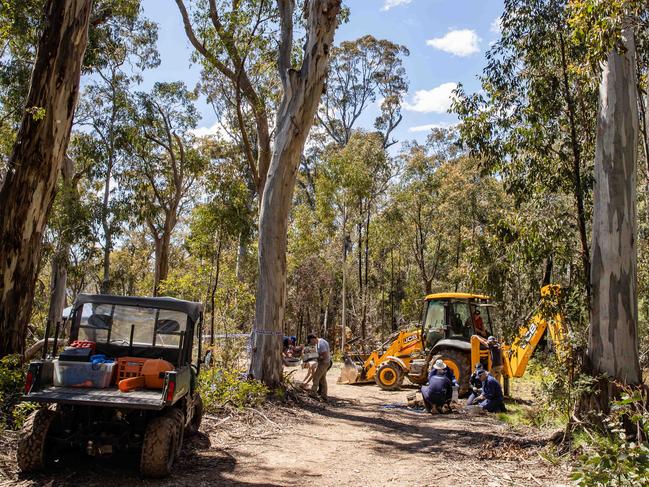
(388,4)
(461,42)
(216,129)
(496,26)
(436,100)
(430,126)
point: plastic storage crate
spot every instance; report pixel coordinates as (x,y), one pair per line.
(82,374)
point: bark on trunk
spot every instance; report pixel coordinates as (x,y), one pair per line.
(58,285)
(302,91)
(162,244)
(60,260)
(613,341)
(108,243)
(30,184)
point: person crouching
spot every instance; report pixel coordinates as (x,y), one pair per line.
(491,399)
(438,392)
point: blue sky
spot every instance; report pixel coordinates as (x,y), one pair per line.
(447,40)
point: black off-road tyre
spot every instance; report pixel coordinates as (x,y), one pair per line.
(159,447)
(197,416)
(389,376)
(462,363)
(179,417)
(32,452)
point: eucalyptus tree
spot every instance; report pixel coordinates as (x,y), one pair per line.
(362,71)
(534,120)
(122,48)
(166,161)
(609,31)
(235,42)
(302,84)
(29,186)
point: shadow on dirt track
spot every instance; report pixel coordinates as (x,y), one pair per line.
(200,464)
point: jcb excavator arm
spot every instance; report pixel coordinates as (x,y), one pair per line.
(517,355)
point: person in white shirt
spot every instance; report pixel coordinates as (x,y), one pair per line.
(324,360)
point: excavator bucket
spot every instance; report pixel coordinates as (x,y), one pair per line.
(350,372)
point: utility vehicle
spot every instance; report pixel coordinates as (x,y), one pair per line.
(84,409)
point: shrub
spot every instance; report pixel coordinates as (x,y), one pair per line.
(219,388)
(612,457)
(12,377)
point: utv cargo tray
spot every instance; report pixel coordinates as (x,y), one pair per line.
(113,397)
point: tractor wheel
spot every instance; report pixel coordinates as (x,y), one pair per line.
(389,376)
(459,362)
(32,450)
(178,416)
(159,447)
(197,416)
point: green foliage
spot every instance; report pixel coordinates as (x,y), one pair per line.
(21,412)
(221,387)
(360,71)
(12,378)
(613,457)
(598,25)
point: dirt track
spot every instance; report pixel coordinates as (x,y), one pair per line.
(361,439)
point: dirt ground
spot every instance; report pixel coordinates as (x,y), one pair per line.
(363,437)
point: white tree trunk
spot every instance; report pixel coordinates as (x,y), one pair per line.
(613,341)
(302,91)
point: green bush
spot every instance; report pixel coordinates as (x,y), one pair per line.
(220,388)
(12,379)
(612,457)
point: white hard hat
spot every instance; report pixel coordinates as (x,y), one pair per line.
(439,364)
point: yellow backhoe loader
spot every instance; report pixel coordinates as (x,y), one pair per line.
(449,324)
(388,365)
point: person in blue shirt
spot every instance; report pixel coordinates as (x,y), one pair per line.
(475,384)
(492,398)
(440,365)
(439,390)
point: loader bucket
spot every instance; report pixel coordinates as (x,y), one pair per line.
(349,373)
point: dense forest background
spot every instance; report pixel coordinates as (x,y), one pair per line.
(499,204)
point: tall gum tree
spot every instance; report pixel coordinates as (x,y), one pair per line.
(166,163)
(224,46)
(29,187)
(302,89)
(613,338)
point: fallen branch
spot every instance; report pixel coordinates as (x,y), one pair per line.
(264,416)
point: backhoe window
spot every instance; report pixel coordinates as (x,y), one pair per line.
(460,320)
(434,322)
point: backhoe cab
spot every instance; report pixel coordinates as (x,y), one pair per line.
(449,321)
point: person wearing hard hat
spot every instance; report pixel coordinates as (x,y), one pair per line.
(491,399)
(439,390)
(441,366)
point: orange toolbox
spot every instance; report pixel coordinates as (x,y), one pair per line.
(128,367)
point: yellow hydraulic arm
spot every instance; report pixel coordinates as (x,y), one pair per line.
(517,355)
